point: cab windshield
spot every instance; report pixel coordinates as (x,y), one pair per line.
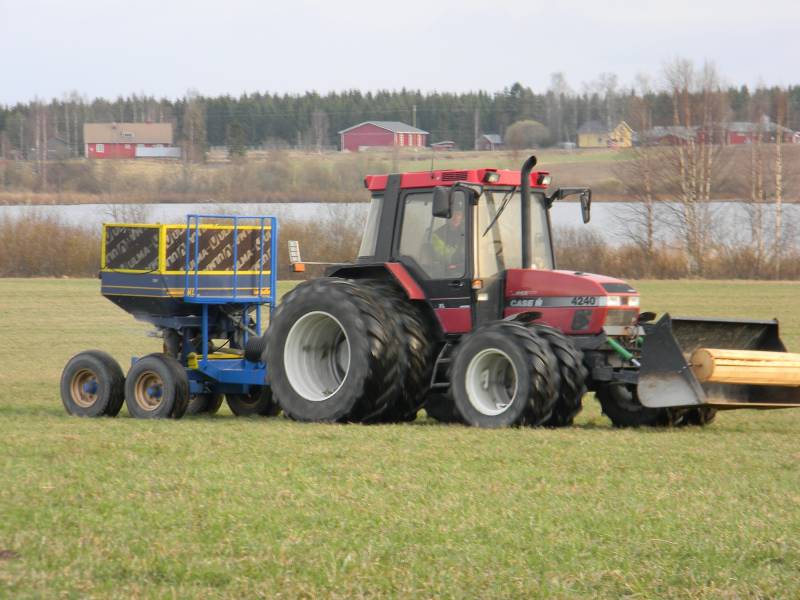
(499,232)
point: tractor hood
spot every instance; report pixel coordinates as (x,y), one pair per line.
(577,303)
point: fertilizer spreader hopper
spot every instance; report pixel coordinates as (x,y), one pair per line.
(203,285)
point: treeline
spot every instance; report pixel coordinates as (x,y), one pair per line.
(74,251)
(312,120)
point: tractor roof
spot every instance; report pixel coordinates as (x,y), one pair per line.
(424,179)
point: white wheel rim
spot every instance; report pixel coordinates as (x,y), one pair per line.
(316,356)
(491,382)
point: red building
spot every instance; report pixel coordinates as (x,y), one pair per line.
(382,134)
(129,140)
(742,132)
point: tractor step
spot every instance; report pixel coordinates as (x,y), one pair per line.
(439,378)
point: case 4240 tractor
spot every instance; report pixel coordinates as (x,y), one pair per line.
(453,304)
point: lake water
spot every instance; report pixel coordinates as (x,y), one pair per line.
(609,219)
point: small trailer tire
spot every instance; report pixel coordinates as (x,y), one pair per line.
(92,385)
(258,402)
(204,404)
(157,388)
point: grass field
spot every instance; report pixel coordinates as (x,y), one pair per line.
(225,507)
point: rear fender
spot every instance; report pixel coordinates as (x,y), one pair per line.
(392,271)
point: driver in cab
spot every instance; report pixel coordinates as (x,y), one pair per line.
(448,240)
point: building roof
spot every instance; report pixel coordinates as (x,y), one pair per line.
(677,131)
(127,133)
(764,126)
(393,126)
(593,127)
(493,138)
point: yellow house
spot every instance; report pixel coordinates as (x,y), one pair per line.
(593,134)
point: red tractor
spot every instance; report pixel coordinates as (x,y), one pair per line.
(454,303)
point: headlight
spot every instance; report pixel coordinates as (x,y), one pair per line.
(614,301)
(633,300)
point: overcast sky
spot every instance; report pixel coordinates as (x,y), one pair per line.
(164,47)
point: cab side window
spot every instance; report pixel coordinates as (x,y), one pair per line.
(437,245)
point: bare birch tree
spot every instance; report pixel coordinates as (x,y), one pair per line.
(780,119)
(319,128)
(639,176)
(194,128)
(699,106)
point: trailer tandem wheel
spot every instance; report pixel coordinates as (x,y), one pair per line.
(204,404)
(92,385)
(157,388)
(258,402)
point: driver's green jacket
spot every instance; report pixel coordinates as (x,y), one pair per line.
(448,243)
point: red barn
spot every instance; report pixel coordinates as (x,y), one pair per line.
(129,140)
(382,134)
(742,132)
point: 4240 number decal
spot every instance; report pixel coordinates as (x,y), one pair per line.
(584,301)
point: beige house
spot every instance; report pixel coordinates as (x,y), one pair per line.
(594,134)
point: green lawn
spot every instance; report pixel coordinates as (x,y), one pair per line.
(225,507)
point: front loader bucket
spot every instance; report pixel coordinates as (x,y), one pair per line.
(666,378)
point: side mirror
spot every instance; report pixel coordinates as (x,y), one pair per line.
(585,195)
(586,205)
(442,201)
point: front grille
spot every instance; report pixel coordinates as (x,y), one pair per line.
(616,288)
(454,176)
(622,318)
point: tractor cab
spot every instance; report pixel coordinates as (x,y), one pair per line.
(468,239)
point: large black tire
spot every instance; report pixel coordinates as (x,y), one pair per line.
(157,388)
(620,403)
(415,338)
(572,372)
(700,416)
(331,355)
(92,385)
(441,407)
(258,402)
(503,375)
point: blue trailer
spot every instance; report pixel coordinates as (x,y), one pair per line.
(204,286)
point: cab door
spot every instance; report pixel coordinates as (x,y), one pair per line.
(438,254)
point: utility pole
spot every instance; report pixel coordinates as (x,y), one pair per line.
(413,115)
(44,148)
(477,127)
(22,153)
